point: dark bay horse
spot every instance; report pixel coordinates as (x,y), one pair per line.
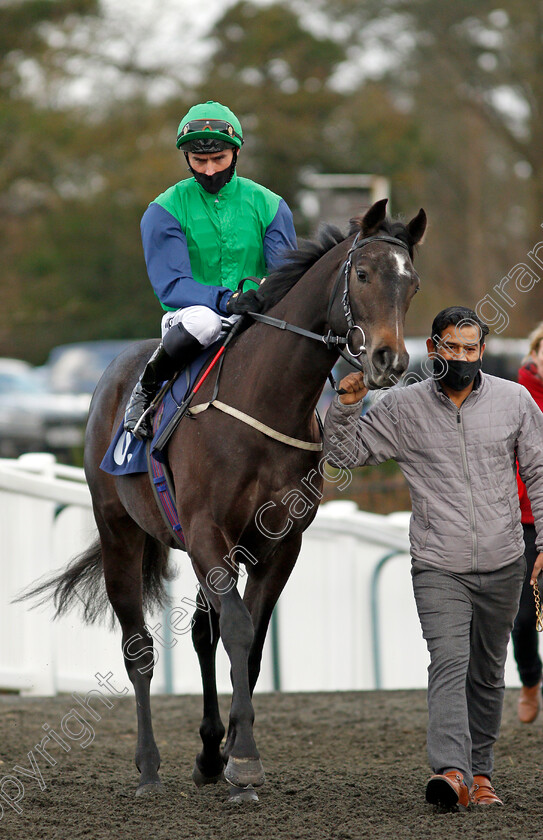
(226,472)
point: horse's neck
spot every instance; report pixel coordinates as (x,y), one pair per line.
(284,373)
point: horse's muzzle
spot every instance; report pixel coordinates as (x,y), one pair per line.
(385,367)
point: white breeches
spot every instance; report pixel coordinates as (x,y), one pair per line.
(200,321)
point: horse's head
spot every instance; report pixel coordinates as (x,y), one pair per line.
(380,281)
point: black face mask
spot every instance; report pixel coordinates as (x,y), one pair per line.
(214,183)
(454,373)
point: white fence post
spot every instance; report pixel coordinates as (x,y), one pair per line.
(26,534)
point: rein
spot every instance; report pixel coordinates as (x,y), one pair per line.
(330,339)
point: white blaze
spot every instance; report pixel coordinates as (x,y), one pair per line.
(402,261)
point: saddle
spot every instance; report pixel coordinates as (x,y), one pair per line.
(126,454)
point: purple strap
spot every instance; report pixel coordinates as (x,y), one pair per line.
(162,490)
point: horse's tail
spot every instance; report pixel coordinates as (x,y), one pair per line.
(82,583)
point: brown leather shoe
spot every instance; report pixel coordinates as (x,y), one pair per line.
(529,703)
(448,789)
(482,792)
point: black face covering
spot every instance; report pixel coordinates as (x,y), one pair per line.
(454,373)
(214,183)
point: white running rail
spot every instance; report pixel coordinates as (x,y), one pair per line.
(329,630)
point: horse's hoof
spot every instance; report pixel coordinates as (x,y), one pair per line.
(242,772)
(200,779)
(242,794)
(149,788)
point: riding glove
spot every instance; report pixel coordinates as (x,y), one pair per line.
(250,301)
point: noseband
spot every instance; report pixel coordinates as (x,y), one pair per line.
(332,340)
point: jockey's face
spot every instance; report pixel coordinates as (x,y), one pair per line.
(210,164)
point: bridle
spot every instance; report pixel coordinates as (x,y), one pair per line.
(331,339)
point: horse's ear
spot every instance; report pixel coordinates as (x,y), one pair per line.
(417,226)
(372,220)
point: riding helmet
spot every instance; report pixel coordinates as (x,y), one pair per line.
(208,128)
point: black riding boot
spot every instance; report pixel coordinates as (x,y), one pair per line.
(177,349)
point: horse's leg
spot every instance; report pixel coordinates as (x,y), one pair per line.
(244,767)
(123,544)
(262,591)
(236,629)
(261,595)
(209,764)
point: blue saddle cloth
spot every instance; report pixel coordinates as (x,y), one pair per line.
(126,454)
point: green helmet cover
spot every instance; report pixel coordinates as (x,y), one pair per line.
(210,111)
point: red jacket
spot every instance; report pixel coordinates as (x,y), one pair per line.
(528,377)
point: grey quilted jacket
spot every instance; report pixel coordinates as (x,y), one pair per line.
(459,464)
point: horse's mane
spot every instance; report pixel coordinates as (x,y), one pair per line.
(298,261)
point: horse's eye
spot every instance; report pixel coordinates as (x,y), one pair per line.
(417,289)
(362,275)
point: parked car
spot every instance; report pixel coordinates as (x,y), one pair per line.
(76,368)
(32,419)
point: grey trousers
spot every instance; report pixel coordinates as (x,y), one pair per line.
(466,620)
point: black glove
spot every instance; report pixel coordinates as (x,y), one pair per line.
(250,301)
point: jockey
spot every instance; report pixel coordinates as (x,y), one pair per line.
(200,238)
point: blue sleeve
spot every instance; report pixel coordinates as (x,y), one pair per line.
(280,237)
(168,264)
